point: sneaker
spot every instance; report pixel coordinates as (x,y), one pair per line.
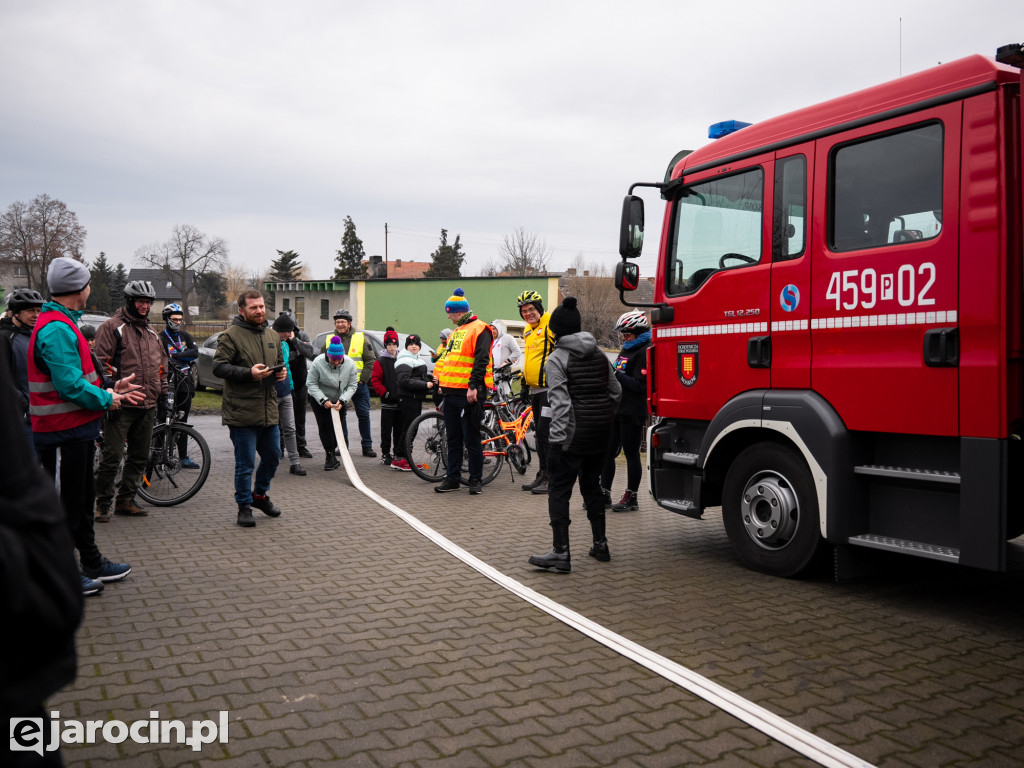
(475,487)
(304,453)
(331,463)
(91,586)
(628,503)
(266,506)
(129,507)
(296,469)
(370,453)
(401,464)
(108,571)
(102,513)
(386,459)
(187,463)
(245,516)
(447,485)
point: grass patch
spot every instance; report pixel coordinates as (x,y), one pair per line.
(206,402)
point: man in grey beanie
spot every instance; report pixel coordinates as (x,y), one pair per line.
(66,403)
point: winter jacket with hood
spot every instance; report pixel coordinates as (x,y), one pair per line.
(126,344)
(325,382)
(247,402)
(384,381)
(412,376)
(583,394)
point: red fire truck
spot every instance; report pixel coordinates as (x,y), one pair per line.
(837,355)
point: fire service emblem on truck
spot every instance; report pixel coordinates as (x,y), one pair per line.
(689,355)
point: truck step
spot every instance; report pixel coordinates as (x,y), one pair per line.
(686,459)
(904,546)
(682,506)
(909,473)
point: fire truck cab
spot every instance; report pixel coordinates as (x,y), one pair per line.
(837,323)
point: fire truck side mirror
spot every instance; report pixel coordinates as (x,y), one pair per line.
(627,276)
(631,231)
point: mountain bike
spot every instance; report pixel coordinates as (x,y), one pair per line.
(510,406)
(179,458)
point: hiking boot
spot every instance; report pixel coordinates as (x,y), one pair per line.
(91,586)
(386,459)
(600,551)
(541,478)
(370,453)
(296,469)
(447,485)
(265,505)
(108,571)
(245,516)
(130,508)
(476,487)
(541,489)
(557,558)
(331,462)
(628,503)
(102,513)
(401,464)
(304,453)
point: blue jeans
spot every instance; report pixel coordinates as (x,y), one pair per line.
(361,401)
(248,441)
(462,426)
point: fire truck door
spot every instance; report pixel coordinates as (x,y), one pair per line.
(884,283)
(718,264)
(790,295)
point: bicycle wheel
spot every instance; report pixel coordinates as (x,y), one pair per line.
(426,446)
(492,464)
(519,457)
(170,475)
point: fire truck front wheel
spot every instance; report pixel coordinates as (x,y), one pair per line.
(770,510)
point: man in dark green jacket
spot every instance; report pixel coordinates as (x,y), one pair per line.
(246,358)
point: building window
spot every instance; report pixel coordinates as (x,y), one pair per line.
(325,309)
(285,306)
(20,271)
(300,311)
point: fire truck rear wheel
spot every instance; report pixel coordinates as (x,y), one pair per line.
(770,510)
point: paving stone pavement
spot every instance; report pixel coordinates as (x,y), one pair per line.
(338,635)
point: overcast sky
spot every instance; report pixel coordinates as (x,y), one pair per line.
(266,124)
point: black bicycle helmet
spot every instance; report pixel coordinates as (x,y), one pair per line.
(24,298)
(343,313)
(139,289)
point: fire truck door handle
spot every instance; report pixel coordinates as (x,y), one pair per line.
(759,351)
(942,348)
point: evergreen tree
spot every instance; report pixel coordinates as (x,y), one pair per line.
(350,257)
(100,281)
(118,280)
(211,290)
(447,260)
(286,268)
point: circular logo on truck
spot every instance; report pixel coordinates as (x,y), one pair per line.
(790,297)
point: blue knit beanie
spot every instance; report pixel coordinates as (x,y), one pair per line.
(336,350)
(457,302)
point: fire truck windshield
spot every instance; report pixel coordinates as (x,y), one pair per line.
(716,225)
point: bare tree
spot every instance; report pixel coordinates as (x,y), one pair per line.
(522,254)
(188,250)
(490,269)
(598,301)
(33,235)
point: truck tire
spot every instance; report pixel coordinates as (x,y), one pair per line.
(770,510)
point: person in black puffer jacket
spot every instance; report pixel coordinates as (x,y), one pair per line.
(583,394)
(413,385)
(385,384)
(628,426)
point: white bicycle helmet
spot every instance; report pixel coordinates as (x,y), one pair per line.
(633,321)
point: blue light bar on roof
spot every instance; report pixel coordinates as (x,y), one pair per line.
(718,130)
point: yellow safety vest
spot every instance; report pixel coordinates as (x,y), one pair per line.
(457,363)
(355,351)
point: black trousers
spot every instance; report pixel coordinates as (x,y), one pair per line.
(77,493)
(411,408)
(299,404)
(628,435)
(325,426)
(391,429)
(563,471)
(539,401)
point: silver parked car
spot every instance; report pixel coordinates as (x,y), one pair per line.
(204,365)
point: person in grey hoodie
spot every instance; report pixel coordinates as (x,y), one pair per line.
(331,382)
(583,394)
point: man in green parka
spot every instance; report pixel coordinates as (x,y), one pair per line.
(247,358)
